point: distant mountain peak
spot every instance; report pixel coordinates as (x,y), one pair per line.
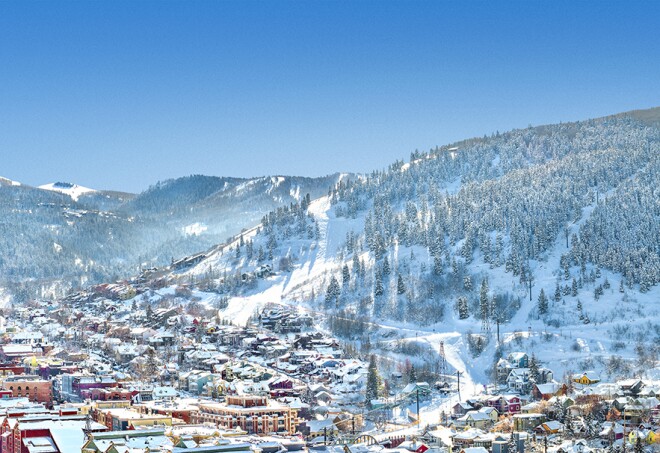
(8,182)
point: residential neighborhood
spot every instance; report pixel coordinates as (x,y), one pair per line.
(125,368)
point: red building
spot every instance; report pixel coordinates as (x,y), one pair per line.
(33,387)
(505,404)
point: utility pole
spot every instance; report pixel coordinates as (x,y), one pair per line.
(458,376)
(443,361)
(419,416)
(353,425)
(624,430)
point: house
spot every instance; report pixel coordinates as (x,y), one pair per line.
(527,422)
(518,380)
(505,404)
(611,431)
(550,427)
(647,436)
(484,418)
(473,450)
(586,378)
(414,446)
(319,428)
(547,391)
(461,408)
(518,360)
(631,387)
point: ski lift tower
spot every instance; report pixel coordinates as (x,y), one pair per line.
(443,361)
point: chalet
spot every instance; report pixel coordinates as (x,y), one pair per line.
(586,378)
(547,391)
(631,387)
(484,418)
(550,427)
(461,408)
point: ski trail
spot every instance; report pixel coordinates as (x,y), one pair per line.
(320,210)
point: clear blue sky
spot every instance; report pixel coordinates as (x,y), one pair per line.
(119,95)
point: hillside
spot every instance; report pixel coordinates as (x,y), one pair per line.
(546,234)
(63,235)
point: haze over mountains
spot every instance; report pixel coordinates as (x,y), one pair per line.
(63,235)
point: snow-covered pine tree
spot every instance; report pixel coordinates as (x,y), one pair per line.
(345,276)
(462,308)
(374,382)
(400,286)
(542,303)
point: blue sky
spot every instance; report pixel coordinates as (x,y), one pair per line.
(119,95)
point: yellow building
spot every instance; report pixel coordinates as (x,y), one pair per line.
(586,378)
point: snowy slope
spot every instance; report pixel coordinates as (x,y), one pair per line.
(72,190)
(8,182)
(610,333)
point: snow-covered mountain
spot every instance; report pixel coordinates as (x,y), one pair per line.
(62,235)
(547,236)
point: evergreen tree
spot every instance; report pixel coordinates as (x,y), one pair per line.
(467,283)
(378,284)
(483,301)
(374,382)
(534,375)
(598,291)
(512,447)
(569,429)
(150,364)
(437,265)
(574,288)
(356,265)
(559,410)
(462,306)
(400,286)
(386,266)
(557,293)
(542,303)
(345,276)
(412,374)
(332,293)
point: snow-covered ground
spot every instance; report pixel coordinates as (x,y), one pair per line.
(72,190)
(569,346)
